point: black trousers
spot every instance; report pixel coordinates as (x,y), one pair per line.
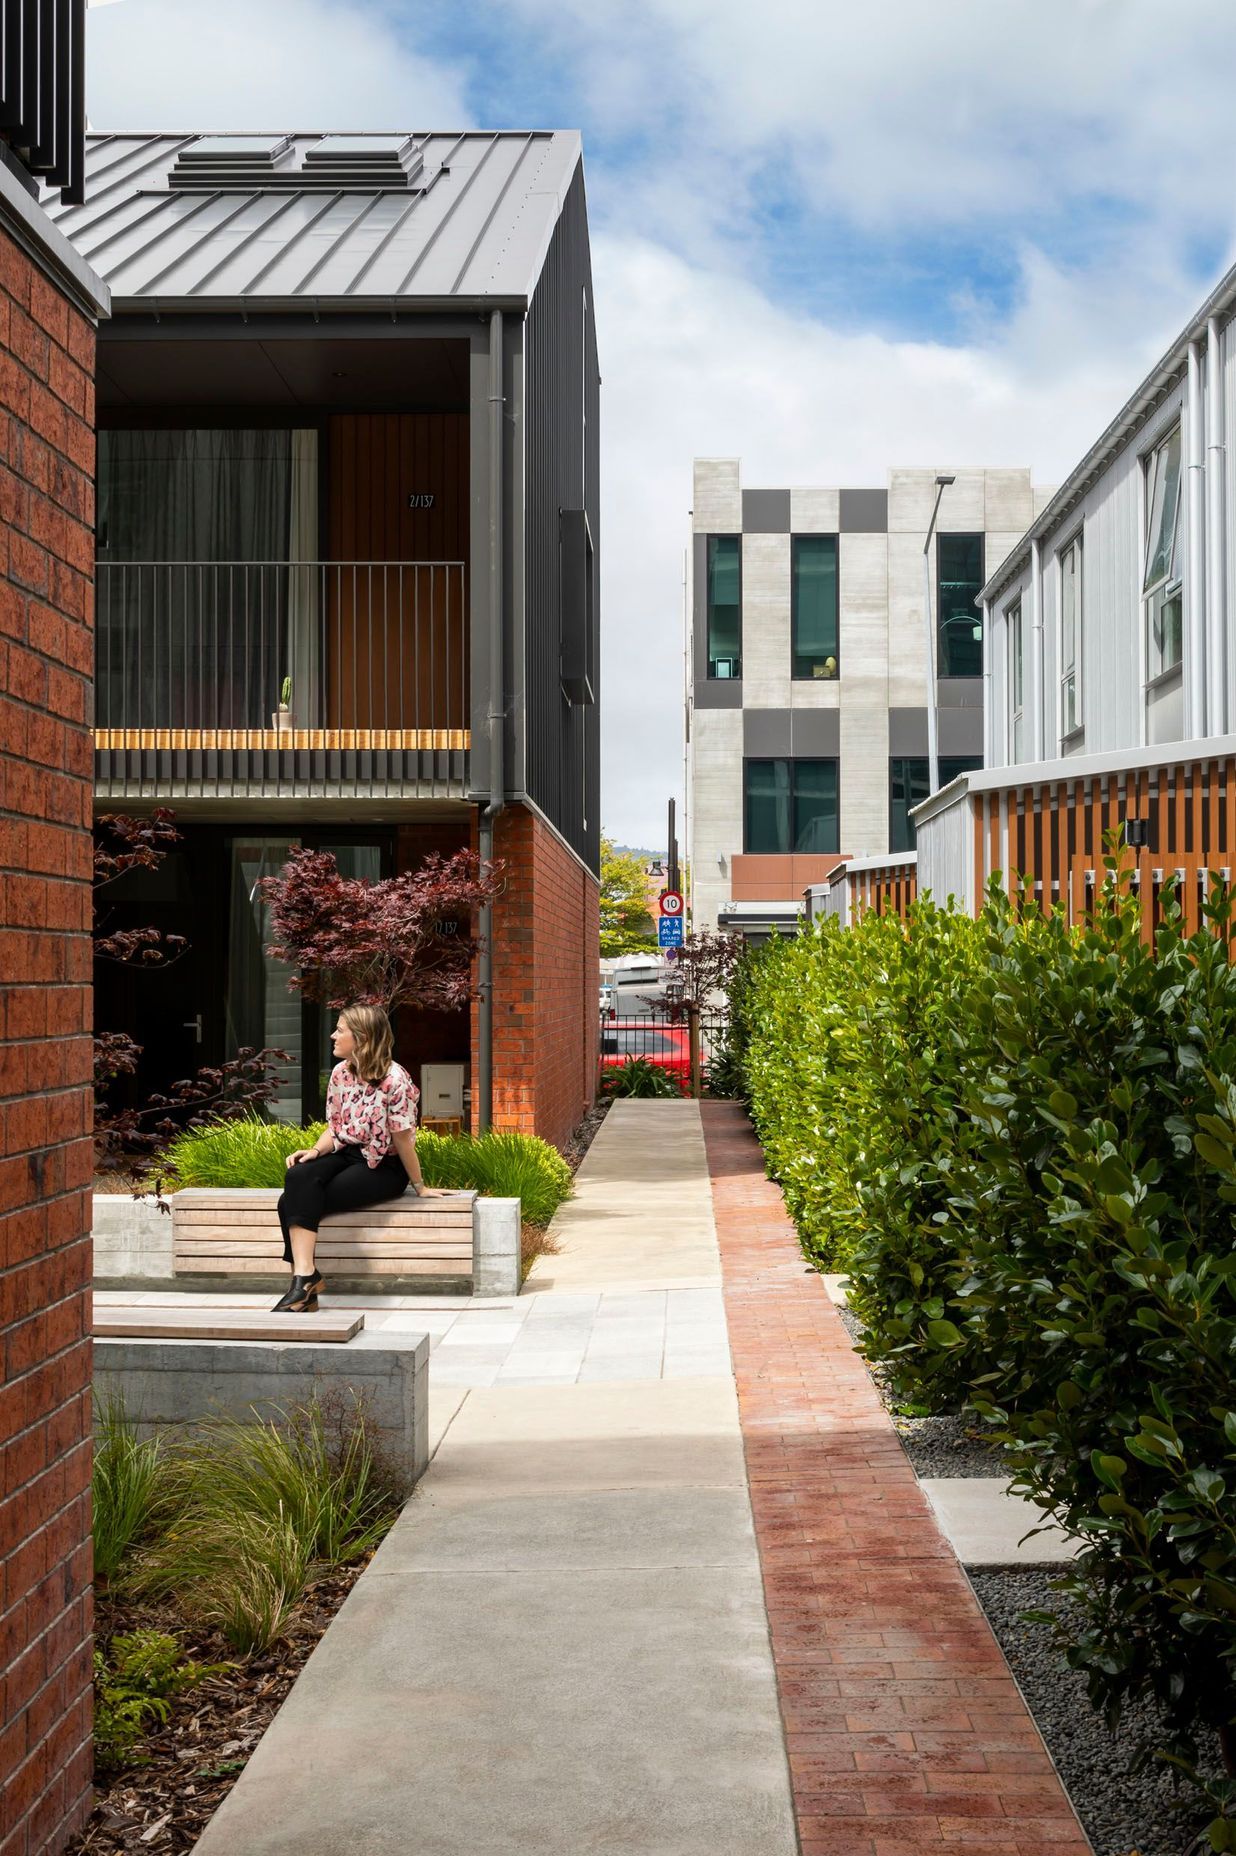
(339,1182)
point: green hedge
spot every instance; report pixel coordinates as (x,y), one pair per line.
(251,1152)
(1021,1140)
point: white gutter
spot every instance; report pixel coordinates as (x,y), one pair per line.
(1036,650)
(1216,539)
(1195,569)
(989,713)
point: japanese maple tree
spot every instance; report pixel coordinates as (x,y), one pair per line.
(403,940)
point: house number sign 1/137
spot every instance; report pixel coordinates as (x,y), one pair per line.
(420,499)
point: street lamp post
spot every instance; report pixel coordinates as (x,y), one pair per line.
(933,720)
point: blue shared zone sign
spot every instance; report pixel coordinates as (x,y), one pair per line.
(669,931)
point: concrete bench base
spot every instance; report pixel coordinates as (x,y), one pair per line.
(177,1383)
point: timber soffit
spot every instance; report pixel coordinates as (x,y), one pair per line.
(1170,370)
(188,222)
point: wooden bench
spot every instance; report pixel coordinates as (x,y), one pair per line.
(193,1322)
(218,1232)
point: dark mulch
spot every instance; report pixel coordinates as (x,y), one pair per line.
(163,1805)
(583,1137)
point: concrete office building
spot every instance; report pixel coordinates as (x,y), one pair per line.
(807,691)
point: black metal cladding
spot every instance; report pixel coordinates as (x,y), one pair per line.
(563,474)
(43,90)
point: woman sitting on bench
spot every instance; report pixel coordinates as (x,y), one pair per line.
(366,1156)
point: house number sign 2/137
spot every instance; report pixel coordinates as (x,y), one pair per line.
(420,499)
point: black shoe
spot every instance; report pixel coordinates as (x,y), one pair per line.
(301,1297)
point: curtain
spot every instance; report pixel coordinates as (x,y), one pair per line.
(195,528)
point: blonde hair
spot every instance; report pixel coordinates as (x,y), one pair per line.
(375,1041)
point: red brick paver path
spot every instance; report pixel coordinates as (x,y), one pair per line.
(905,1729)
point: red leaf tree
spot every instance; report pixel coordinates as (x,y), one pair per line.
(405,940)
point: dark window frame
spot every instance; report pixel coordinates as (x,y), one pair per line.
(792,762)
(900,824)
(943,653)
(797,656)
(711,657)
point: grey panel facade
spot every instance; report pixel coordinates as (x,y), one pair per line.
(765,512)
(959,692)
(766,733)
(907,733)
(563,748)
(961,731)
(863,512)
(718,692)
(815,734)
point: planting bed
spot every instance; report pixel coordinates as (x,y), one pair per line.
(164,1805)
(1121,1811)
(950,1445)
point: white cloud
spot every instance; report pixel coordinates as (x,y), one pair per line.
(255,64)
(705,364)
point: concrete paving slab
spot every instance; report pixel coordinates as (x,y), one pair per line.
(562,1647)
(591,1714)
(985,1525)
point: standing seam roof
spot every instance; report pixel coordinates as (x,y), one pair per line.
(473,222)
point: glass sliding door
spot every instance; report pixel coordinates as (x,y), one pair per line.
(201,613)
(262,1010)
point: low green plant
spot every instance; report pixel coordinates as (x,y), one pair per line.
(244,1152)
(638,1077)
(135,1682)
(264,1502)
(501,1163)
(132,1489)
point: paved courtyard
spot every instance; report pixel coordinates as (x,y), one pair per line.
(669,1586)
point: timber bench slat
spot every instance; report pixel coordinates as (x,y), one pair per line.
(236,1233)
(142,1323)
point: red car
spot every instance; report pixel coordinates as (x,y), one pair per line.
(668,1046)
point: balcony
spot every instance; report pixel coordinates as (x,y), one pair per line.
(193,658)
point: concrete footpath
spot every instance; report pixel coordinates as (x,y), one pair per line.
(562,1647)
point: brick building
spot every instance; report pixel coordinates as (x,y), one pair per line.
(50,302)
(347,573)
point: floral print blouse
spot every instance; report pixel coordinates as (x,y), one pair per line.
(365,1115)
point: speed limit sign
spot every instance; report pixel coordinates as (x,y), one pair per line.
(671,902)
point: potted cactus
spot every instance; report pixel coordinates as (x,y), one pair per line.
(283,716)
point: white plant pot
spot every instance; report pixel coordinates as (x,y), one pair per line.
(282,719)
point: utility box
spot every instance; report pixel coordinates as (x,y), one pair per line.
(442,1091)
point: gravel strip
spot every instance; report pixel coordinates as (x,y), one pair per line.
(1121,1812)
(951,1445)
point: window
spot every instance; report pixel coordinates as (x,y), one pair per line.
(1161,583)
(1070,638)
(908,786)
(1017,683)
(959,622)
(813,605)
(725,605)
(791,805)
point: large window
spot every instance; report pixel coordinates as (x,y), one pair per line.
(909,785)
(1016,683)
(791,805)
(959,621)
(1161,584)
(813,605)
(1070,638)
(725,605)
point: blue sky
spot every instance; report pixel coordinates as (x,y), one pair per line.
(827,239)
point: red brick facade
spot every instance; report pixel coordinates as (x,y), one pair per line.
(546,939)
(46,666)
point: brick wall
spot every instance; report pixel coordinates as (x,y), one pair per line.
(46,665)
(546,939)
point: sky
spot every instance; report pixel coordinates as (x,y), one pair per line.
(827,238)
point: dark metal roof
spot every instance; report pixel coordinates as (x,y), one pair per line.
(204,222)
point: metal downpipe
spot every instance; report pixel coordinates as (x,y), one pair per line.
(497,720)
(1195,575)
(1216,539)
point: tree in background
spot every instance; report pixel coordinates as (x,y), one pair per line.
(404,940)
(626,925)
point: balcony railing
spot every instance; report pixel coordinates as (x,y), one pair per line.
(221,678)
